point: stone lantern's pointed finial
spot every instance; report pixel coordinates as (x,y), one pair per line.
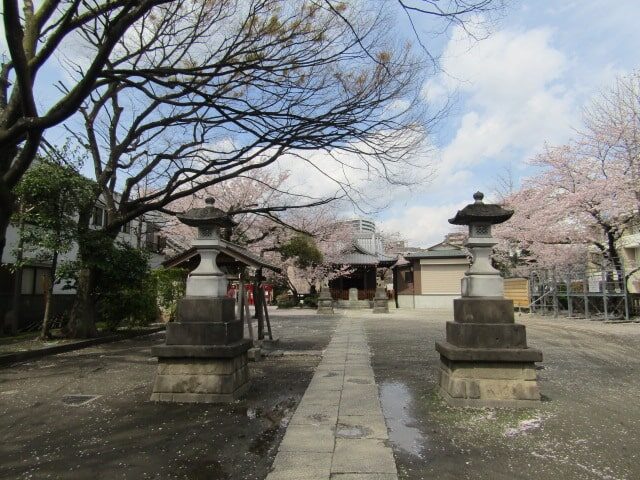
(478,196)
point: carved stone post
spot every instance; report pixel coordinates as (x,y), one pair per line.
(485,361)
(325,301)
(380,301)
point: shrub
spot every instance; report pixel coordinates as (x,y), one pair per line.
(125,288)
(170,284)
(311,301)
(285,300)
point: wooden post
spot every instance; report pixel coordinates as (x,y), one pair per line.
(603,277)
(244,309)
(626,296)
(567,281)
(585,293)
(555,294)
(266,314)
(257,287)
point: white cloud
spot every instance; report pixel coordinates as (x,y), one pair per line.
(321,174)
(4,49)
(515,98)
(422,226)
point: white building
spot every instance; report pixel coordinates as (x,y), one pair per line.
(140,233)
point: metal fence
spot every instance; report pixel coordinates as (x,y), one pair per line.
(592,292)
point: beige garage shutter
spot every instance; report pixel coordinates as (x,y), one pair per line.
(442,278)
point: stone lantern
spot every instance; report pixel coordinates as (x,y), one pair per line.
(380,301)
(205,355)
(485,361)
(325,301)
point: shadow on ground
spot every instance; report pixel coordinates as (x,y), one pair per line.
(120,434)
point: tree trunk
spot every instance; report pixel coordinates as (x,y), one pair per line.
(12,317)
(5,218)
(615,260)
(82,323)
(46,320)
(257,303)
(7,205)
(83,313)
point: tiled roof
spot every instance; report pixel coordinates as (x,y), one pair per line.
(448,253)
(366,249)
(236,252)
(358,258)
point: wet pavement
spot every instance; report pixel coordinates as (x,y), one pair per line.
(338,431)
(47,430)
(396,402)
(587,427)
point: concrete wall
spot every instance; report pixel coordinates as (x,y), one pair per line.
(434,302)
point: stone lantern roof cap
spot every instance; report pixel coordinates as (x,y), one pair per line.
(480,212)
(209,216)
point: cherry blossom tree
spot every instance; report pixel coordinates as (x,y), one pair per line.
(587,192)
(308,260)
(303,239)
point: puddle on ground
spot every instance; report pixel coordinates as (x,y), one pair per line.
(396,407)
(272,421)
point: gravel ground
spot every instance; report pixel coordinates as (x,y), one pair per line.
(122,435)
(588,426)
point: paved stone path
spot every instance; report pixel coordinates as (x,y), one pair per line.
(338,431)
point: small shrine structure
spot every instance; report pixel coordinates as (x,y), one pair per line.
(364,256)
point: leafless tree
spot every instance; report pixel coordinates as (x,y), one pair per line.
(204,92)
(35,34)
(176,96)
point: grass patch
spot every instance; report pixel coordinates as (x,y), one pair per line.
(21,337)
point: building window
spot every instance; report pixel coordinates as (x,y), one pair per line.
(28,281)
(155,242)
(126,228)
(98,217)
(408,277)
(34,280)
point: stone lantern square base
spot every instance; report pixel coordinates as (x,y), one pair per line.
(485,360)
(380,301)
(204,358)
(488,384)
(201,379)
(325,302)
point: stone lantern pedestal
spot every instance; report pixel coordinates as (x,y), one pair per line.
(325,301)
(485,360)
(204,358)
(380,300)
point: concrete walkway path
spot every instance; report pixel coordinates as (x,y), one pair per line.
(338,431)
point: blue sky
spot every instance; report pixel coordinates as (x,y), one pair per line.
(522,86)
